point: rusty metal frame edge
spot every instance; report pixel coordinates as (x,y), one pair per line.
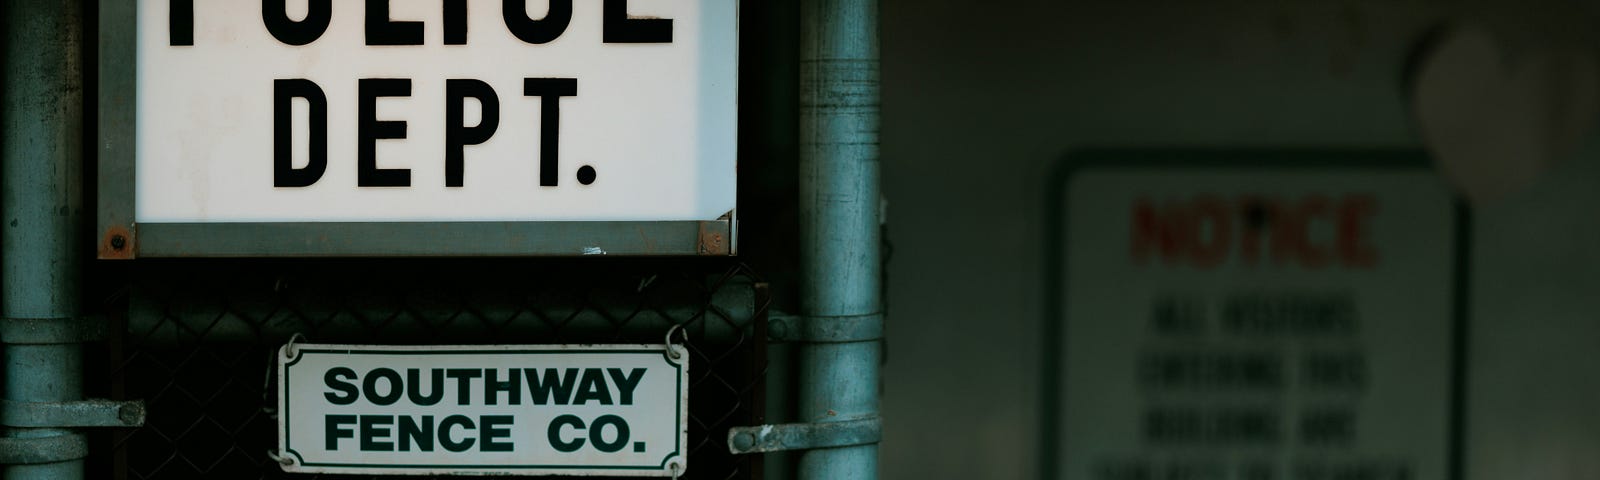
(419,239)
(117,84)
(120,238)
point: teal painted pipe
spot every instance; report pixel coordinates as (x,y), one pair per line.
(839,223)
(41,161)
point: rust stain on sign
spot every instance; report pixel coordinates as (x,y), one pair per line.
(117,244)
(714,238)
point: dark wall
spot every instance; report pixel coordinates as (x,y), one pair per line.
(980,98)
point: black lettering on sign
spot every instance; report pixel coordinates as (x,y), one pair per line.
(1356,469)
(1140,468)
(374,429)
(493,387)
(447,440)
(464,378)
(334,432)
(1233,426)
(1342,371)
(1178,316)
(370,388)
(274,13)
(1211,371)
(554,384)
(414,381)
(180,23)
(284,91)
(381,30)
(1304,315)
(592,388)
(554,433)
(626,383)
(335,379)
(370,130)
(1328,426)
(549,91)
(455,22)
(540,31)
(456,134)
(619,28)
(598,429)
(496,427)
(421,433)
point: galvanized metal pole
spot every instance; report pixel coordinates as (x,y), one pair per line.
(839,226)
(41,207)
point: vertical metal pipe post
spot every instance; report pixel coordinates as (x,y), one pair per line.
(41,206)
(839,223)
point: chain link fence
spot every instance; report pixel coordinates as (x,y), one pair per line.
(200,336)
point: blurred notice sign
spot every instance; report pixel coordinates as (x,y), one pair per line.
(274,111)
(1256,317)
(483,410)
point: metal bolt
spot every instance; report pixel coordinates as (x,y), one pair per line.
(118,242)
(744,441)
(131,414)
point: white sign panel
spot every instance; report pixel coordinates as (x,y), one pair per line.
(1260,323)
(483,410)
(435,110)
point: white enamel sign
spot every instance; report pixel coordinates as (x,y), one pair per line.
(613,410)
(270,111)
(1266,322)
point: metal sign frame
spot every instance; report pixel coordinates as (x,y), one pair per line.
(674,463)
(1054,254)
(119,237)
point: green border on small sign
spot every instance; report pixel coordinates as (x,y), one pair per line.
(677,441)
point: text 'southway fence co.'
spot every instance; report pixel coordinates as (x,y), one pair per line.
(200,338)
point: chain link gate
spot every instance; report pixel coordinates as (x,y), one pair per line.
(200,337)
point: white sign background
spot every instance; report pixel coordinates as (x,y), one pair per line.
(1404,327)
(657,419)
(657,122)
